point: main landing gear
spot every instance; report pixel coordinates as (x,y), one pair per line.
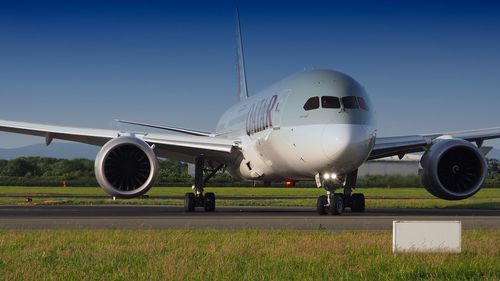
(335,203)
(199,198)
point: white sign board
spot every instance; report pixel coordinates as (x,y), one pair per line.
(426,236)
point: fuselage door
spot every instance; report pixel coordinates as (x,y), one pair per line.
(277,113)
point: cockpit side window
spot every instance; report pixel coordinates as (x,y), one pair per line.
(350,102)
(312,103)
(362,103)
(330,102)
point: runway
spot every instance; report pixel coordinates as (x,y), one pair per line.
(173,217)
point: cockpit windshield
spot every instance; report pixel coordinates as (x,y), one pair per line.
(330,102)
(312,103)
(348,102)
(362,103)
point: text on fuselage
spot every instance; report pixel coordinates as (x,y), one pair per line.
(260,115)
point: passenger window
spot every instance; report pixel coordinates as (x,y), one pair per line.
(312,103)
(350,102)
(330,102)
(362,103)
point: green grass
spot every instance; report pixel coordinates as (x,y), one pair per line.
(487,198)
(237,191)
(236,255)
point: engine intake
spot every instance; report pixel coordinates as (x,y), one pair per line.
(453,169)
(126,167)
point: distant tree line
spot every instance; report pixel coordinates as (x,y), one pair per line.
(41,171)
(493,168)
(46,167)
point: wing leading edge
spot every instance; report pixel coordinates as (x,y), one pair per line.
(181,147)
(390,146)
(169,128)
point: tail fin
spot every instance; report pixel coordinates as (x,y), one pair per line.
(243,90)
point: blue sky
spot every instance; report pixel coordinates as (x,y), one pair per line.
(428,66)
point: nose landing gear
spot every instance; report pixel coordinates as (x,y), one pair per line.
(332,203)
(335,203)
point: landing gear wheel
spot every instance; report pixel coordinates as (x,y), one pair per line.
(209,202)
(321,205)
(357,203)
(336,205)
(345,201)
(189,203)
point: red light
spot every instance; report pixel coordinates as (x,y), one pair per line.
(289,183)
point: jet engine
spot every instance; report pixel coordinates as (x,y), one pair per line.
(453,169)
(126,167)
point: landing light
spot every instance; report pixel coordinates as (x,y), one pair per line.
(328,176)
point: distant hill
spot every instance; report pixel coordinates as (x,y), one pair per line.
(63,150)
(68,150)
(494,153)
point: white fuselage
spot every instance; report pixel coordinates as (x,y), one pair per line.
(282,138)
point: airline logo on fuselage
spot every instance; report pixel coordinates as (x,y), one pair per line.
(260,115)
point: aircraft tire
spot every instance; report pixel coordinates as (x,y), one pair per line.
(337,205)
(209,202)
(321,205)
(345,201)
(358,203)
(189,203)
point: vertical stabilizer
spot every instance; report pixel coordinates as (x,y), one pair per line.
(242,85)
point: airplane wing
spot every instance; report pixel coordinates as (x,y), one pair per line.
(180,147)
(390,146)
(169,128)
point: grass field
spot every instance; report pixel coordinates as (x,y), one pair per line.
(242,254)
(487,198)
(236,255)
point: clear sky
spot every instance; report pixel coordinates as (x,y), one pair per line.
(428,66)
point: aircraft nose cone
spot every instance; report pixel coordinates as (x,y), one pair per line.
(346,144)
(335,140)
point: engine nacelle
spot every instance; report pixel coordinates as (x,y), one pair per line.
(453,169)
(126,167)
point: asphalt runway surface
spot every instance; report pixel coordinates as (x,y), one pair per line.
(173,217)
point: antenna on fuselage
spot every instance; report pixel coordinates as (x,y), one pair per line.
(242,77)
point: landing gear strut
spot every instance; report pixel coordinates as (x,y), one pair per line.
(199,198)
(335,203)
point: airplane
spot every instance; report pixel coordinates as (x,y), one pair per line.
(317,124)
